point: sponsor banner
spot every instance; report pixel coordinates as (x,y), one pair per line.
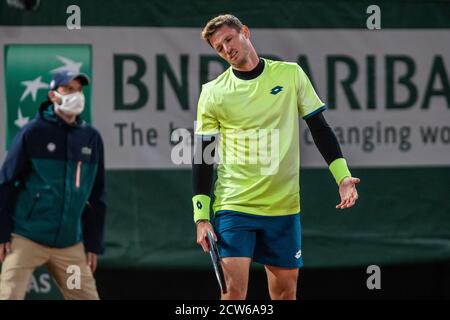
(28,72)
(42,286)
(388,96)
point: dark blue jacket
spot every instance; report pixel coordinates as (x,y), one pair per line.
(52,184)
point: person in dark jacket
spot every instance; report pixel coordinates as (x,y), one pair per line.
(52,196)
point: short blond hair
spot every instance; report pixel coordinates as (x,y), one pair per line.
(216,23)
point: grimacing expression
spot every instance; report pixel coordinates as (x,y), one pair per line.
(232,45)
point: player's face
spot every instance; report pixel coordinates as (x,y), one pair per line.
(232,45)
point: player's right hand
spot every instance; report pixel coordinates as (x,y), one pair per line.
(202,234)
(5,248)
(348,192)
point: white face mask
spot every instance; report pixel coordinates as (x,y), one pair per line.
(70,103)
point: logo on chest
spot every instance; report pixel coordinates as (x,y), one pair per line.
(86,151)
(51,147)
(276,90)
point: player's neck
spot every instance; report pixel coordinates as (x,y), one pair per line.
(251,62)
(252,74)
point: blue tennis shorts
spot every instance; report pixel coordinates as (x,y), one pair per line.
(273,241)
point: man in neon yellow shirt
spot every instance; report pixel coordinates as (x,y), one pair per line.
(253,108)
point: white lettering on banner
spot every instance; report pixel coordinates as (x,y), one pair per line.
(40,284)
(388,99)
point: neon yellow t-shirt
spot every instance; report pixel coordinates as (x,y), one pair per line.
(257,121)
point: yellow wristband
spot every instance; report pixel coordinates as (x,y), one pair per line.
(339,170)
(201,204)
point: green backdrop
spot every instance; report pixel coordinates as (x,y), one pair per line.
(403,214)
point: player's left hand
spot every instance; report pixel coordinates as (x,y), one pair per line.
(348,193)
(92,261)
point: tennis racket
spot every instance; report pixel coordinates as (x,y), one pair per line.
(215,258)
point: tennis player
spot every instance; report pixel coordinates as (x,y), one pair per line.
(257,203)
